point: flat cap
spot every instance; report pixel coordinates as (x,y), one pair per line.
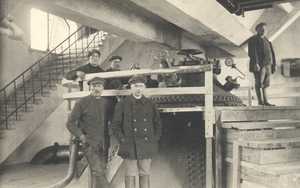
(115,57)
(260,25)
(137,79)
(96,80)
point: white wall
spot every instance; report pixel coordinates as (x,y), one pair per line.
(14,56)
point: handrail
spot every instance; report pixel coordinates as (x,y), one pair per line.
(37,79)
(38,61)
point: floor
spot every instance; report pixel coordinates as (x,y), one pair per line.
(37,176)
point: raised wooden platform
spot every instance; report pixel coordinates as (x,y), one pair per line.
(259,144)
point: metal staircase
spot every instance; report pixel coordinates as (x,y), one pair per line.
(22,93)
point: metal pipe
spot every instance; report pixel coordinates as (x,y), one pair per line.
(74,146)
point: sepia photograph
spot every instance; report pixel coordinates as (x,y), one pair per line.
(149,94)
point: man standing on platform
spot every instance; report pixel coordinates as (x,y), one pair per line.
(136,124)
(93,66)
(87,122)
(262,62)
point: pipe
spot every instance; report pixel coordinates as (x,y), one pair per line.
(74,146)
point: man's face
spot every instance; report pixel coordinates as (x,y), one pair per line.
(137,89)
(97,89)
(115,64)
(94,59)
(262,30)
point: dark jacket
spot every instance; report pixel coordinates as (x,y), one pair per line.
(137,126)
(256,52)
(89,117)
(88,68)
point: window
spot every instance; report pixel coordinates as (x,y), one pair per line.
(48,30)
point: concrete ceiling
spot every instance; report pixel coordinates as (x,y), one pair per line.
(206,21)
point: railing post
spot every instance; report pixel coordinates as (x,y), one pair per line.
(41,78)
(24,90)
(209,123)
(82,48)
(32,86)
(6,109)
(76,40)
(56,63)
(69,46)
(16,103)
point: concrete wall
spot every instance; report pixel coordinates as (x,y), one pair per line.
(14,56)
(52,130)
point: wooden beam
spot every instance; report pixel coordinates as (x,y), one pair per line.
(236,166)
(256,114)
(260,125)
(129,73)
(147,91)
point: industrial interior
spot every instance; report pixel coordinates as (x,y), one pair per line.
(226,122)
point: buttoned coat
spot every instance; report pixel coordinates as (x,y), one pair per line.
(137,126)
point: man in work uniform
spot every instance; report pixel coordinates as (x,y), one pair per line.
(136,124)
(87,122)
(93,66)
(262,62)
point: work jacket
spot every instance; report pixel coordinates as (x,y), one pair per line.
(137,126)
(256,52)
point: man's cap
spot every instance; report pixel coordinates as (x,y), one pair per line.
(115,57)
(260,25)
(137,79)
(93,51)
(96,80)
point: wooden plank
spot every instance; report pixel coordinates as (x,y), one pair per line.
(271,169)
(129,73)
(236,165)
(209,164)
(230,135)
(260,156)
(147,92)
(270,113)
(251,175)
(272,143)
(218,153)
(182,109)
(260,124)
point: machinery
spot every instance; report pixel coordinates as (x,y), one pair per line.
(183,148)
(238,7)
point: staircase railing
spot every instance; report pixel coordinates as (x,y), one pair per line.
(16,96)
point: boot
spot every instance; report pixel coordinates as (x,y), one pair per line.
(258,94)
(129,181)
(144,181)
(265,97)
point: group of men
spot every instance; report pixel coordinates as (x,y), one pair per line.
(134,121)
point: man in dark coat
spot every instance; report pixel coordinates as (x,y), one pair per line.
(87,122)
(136,124)
(93,66)
(262,62)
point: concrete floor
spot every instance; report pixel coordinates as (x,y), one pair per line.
(38,176)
